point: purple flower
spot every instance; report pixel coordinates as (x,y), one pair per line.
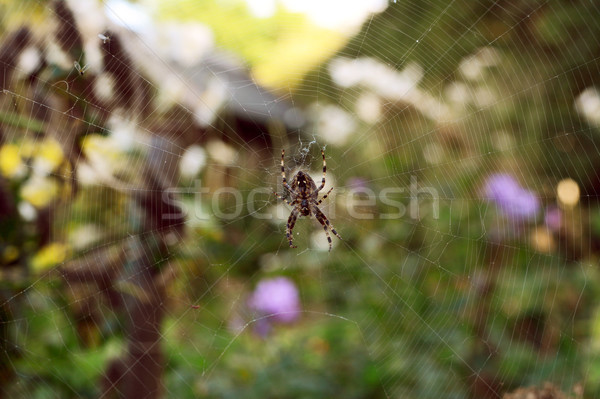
(553,218)
(357,183)
(512,200)
(277,298)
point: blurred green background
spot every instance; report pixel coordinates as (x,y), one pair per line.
(476,289)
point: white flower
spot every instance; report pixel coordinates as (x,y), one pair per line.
(334,125)
(368,107)
(588,104)
(192,161)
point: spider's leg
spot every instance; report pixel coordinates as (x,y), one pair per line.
(290,226)
(322,219)
(324,171)
(285,183)
(281,198)
(326,224)
(325,196)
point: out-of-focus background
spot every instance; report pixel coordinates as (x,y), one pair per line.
(143,252)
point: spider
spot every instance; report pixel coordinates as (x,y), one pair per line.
(304,194)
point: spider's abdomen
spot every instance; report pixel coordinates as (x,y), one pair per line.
(304,190)
(304,184)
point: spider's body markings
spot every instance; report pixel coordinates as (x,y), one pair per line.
(303,198)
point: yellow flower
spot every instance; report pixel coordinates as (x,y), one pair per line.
(28,148)
(11,253)
(103,146)
(49,155)
(10,160)
(49,256)
(38,191)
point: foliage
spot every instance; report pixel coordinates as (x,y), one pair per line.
(470,302)
(279,49)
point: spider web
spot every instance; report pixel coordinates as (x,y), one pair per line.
(438,288)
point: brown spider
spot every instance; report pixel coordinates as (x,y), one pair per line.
(304,194)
